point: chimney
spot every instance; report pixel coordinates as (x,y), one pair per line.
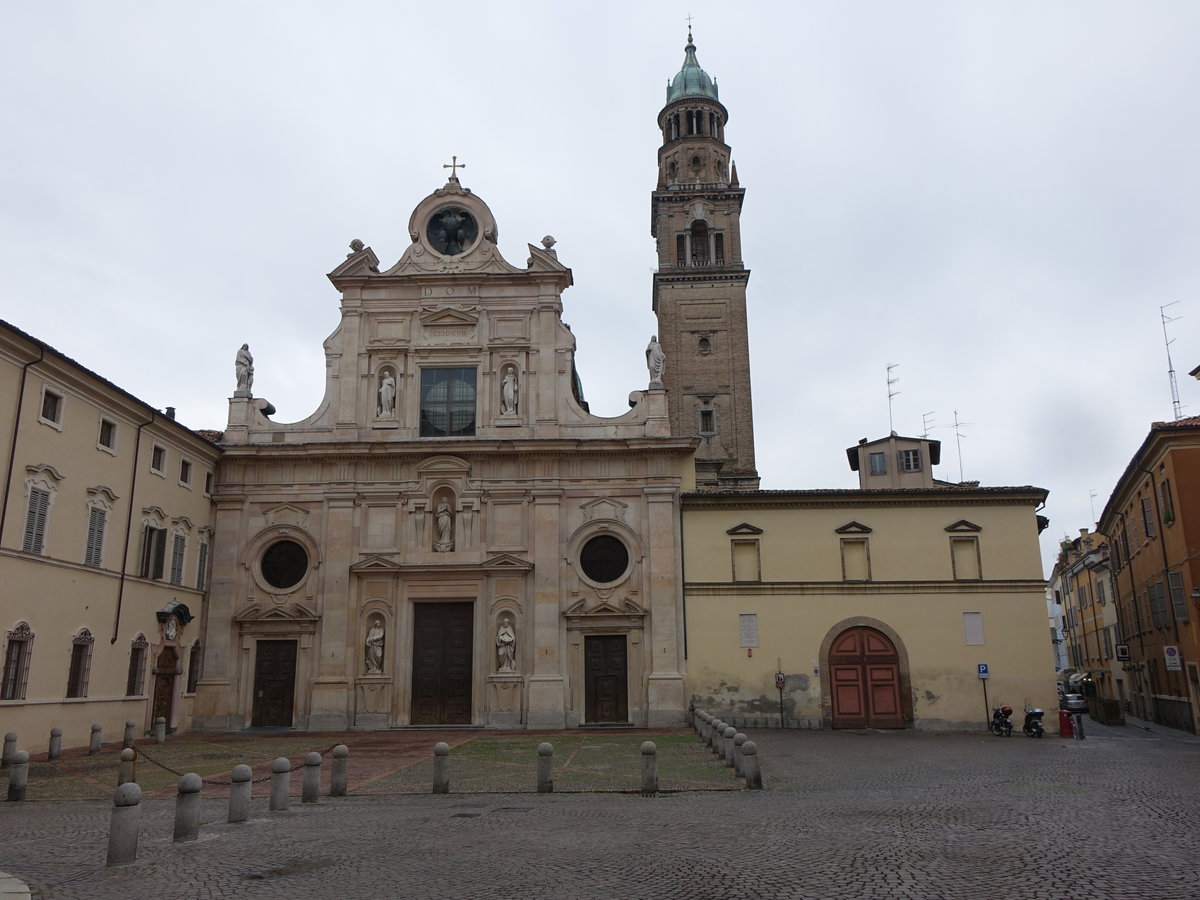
(170,412)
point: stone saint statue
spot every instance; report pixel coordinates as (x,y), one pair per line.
(387,395)
(445,527)
(508,393)
(244,367)
(506,645)
(374,648)
(656,361)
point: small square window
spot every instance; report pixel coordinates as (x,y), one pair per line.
(910,460)
(185,472)
(878,464)
(52,408)
(108,434)
(158,459)
(708,421)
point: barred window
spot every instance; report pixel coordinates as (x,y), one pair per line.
(447,402)
(137,666)
(81,664)
(17,654)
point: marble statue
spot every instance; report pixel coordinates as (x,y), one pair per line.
(508,393)
(656,361)
(374,648)
(445,527)
(387,395)
(244,367)
(506,645)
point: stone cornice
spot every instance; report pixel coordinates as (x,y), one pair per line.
(910,498)
(373,450)
(859,588)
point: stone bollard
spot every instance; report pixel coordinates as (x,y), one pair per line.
(738,769)
(94,743)
(730,734)
(125,771)
(750,766)
(127,738)
(55,743)
(10,749)
(709,722)
(160,730)
(281,777)
(340,774)
(545,768)
(718,736)
(310,786)
(649,768)
(123,828)
(18,776)
(187,808)
(239,793)
(441,768)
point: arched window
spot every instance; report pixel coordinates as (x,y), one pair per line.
(699,244)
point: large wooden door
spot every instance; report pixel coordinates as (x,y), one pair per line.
(274,684)
(864,675)
(442,657)
(606,679)
(164,685)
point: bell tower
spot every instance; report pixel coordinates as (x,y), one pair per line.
(700,283)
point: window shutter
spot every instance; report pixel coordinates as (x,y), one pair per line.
(35,521)
(177,551)
(202,567)
(1178,601)
(95,537)
(160,553)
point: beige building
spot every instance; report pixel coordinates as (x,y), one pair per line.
(874,607)
(451,538)
(105,535)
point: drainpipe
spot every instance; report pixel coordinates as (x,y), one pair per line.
(137,446)
(12,450)
(1166,569)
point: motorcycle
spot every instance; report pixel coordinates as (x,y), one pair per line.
(1001,724)
(1033,722)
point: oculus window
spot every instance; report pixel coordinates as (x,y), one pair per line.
(604,559)
(447,402)
(284,564)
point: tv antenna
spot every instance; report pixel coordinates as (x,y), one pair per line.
(1175,404)
(958,437)
(891,382)
(1092,500)
(925,425)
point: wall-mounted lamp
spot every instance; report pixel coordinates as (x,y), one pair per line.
(1196,597)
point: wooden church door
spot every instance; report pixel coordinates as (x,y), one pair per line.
(864,675)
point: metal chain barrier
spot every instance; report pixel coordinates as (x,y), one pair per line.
(142,754)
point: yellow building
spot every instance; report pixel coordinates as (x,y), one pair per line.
(105,530)
(875,606)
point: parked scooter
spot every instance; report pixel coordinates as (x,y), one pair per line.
(1001,724)
(1033,722)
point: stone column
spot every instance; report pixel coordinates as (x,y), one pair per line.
(18,776)
(649,768)
(94,743)
(10,748)
(281,777)
(545,768)
(125,769)
(441,768)
(310,786)
(187,808)
(123,827)
(239,793)
(340,775)
(331,698)
(55,743)
(665,700)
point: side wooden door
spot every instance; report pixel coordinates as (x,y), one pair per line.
(274,684)
(606,679)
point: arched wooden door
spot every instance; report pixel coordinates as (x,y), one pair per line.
(864,675)
(164,685)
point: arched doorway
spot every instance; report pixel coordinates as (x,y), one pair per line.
(165,670)
(864,680)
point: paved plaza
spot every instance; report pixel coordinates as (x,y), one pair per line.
(872,815)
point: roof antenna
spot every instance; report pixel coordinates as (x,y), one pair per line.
(890,382)
(925,417)
(1092,500)
(1175,404)
(959,436)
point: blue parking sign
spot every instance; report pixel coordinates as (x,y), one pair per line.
(983,670)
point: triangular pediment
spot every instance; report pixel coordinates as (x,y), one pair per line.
(376,564)
(275,614)
(286,514)
(962,525)
(604,508)
(853,528)
(443,465)
(361,263)
(507,562)
(745,528)
(544,260)
(622,607)
(449,315)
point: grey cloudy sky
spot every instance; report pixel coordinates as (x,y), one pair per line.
(997,197)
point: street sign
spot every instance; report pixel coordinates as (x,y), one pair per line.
(1174,660)
(779,680)
(983,670)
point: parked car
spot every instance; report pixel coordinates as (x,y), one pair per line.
(1073,702)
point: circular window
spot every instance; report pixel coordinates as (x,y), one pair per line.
(284,564)
(604,559)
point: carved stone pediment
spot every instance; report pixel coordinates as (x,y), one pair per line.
(604,508)
(853,528)
(622,609)
(745,528)
(506,562)
(450,315)
(296,613)
(359,264)
(286,514)
(963,526)
(541,260)
(375,565)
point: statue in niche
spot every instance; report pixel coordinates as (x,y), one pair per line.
(374,647)
(656,361)
(509,392)
(243,366)
(386,408)
(506,645)
(444,517)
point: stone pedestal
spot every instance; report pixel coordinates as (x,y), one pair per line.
(505,700)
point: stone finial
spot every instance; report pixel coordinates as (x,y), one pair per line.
(355,247)
(548,241)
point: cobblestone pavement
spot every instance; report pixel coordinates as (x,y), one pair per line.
(874,815)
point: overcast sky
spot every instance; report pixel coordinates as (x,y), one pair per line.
(998,197)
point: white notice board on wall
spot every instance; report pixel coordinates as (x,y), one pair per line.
(748,629)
